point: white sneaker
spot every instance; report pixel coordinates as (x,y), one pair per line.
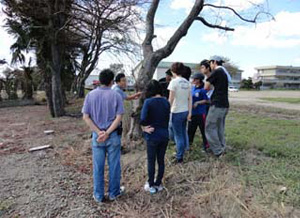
(152,190)
(146,186)
(159,188)
(122,190)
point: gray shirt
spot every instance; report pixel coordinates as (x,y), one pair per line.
(119,90)
(103,105)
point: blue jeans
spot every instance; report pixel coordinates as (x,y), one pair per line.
(179,122)
(171,132)
(112,149)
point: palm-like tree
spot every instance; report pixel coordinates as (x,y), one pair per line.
(21,45)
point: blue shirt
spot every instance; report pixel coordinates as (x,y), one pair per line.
(156,113)
(199,94)
(119,90)
(103,105)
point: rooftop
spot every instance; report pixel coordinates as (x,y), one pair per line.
(166,64)
(277,67)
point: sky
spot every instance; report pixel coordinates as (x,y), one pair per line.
(268,42)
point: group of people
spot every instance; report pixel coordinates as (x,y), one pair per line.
(173,109)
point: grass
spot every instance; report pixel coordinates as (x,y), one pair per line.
(265,156)
(266,152)
(284,100)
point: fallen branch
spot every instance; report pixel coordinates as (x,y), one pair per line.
(40,148)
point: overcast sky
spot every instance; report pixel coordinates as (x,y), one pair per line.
(250,45)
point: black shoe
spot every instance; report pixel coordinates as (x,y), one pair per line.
(177,161)
(218,156)
(124,150)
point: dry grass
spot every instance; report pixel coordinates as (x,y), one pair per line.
(212,188)
(202,187)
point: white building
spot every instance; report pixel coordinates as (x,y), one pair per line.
(287,77)
(163,66)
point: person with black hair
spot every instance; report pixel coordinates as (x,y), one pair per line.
(206,70)
(187,72)
(154,121)
(199,110)
(164,82)
(102,112)
(215,122)
(120,86)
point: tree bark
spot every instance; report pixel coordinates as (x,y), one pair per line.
(78,85)
(80,88)
(48,90)
(57,37)
(1,87)
(28,84)
(57,97)
(152,58)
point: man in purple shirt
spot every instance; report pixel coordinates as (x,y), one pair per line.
(102,112)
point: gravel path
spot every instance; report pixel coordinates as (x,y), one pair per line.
(37,184)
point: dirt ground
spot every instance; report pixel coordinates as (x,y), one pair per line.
(252,98)
(39,184)
(57,182)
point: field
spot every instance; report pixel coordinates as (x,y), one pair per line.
(258,177)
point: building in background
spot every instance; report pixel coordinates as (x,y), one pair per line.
(236,78)
(93,80)
(163,66)
(287,77)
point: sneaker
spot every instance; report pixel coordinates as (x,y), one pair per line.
(122,191)
(98,201)
(146,186)
(219,156)
(159,188)
(124,150)
(152,190)
(177,161)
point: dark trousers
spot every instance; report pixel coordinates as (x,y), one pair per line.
(156,150)
(197,121)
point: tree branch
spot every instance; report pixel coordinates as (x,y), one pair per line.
(237,14)
(147,44)
(182,29)
(212,25)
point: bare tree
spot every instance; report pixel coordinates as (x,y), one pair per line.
(102,26)
(152,58)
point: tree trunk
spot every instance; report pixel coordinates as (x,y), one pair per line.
(81,90)
(1,87)
(28,89)
(144,76)
(57,97)
(57,45)
(152,58)
(48,90)
(7,88)
(79,84)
